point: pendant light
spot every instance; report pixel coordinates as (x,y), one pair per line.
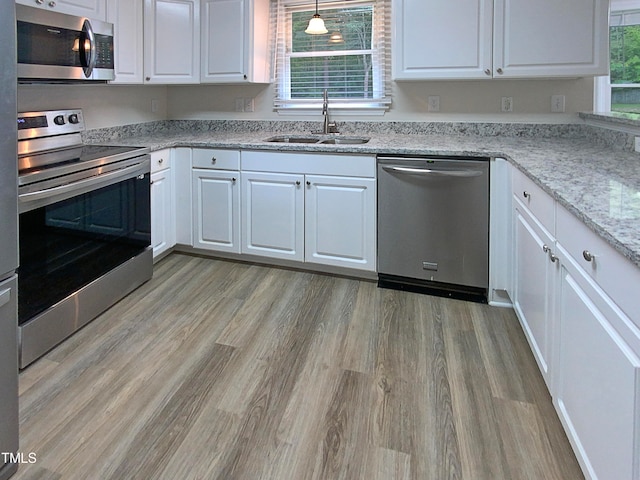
(316,24)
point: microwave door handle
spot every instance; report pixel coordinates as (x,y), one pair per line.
(87,56)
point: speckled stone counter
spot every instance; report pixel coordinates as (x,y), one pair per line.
(594,174)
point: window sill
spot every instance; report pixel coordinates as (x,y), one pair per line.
(334,110)
(620,121)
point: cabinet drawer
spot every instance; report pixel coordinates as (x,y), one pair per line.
(216,158)
(535,199)
(160,160)
(614,273)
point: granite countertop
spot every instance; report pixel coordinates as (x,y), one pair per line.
(597,183)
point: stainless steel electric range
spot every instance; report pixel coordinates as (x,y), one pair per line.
(84,227)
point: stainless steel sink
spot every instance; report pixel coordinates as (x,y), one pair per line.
(318,139)
(345,140)
(293,139)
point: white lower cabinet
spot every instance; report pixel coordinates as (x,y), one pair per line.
(534,285)
(273,215)
(310,207)
(585,335)
(216,208)
(598,386)
(163,230)
(340,224)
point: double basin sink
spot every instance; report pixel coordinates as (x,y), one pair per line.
(318,139)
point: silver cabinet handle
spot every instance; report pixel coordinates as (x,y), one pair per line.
(553,257)
(308,183)
(526,194)
(52,4)
(160,160)
(39,2)
(298,182)
(213,160)
(545,248)
(233,179)
(487,72)
(588,256)
(499,70)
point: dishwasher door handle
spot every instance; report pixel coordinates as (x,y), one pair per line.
(431,172)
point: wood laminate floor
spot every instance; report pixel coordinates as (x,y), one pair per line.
(223,370)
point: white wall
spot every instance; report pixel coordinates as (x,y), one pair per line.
(111,105)
(461,100)
(102,105)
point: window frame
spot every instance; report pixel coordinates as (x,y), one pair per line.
(379,51)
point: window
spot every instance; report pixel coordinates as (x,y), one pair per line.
(350,61)
(624,40)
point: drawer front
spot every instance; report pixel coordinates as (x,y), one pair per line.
(540,203)
(310,163)
(216,158)
(614,273)
(160,160)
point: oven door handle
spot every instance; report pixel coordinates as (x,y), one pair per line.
(91,183)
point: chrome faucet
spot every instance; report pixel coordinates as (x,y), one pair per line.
(328,127)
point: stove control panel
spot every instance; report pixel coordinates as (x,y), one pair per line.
(49,123)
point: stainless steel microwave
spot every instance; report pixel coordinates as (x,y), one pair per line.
(57,47)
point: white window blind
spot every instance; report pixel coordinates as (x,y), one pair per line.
(351,61)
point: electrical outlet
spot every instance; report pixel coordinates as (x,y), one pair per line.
(248,105)
(433,103)
(557,103)
(506,104)
(636,144)
(239,104)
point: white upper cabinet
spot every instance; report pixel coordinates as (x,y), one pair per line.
(172,41)
(95,9)
(234,41)
(127,19)
(442,39)
(482,39)
(551,38)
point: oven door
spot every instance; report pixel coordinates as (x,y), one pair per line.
(76,238)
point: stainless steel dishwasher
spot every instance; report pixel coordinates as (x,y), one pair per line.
(433,225)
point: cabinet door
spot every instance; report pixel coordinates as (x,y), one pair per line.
(172,41)
(534,287)
(223,41)
(162,212)
(442,39)
(127,19)
(273,215)
(551,38)
(340,221)
(95,9)
(598,394)
(216,210)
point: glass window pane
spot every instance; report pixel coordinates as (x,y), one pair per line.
(344,76)
(625,99)
(349,29)
(625,54)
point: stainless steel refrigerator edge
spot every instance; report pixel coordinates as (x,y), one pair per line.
(8,243)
